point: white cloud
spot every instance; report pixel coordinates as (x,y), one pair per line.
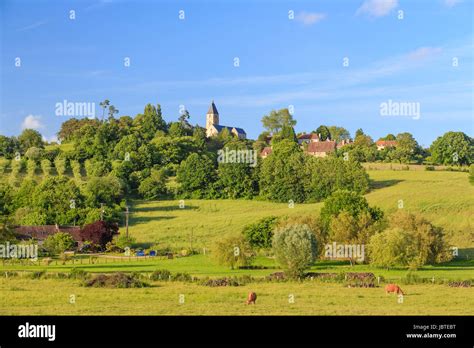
(51,139)
(377,8)
(33,26)
(310,18)
(32,122)
(424,53)
(451,3)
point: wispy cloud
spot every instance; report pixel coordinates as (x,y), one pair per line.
(423,53)
(451,3)
(33,26)
(98,4)
(309,18)
(377,8)
(32,122)
(51,139)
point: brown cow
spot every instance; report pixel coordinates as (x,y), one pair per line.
(393,288)
(251,298)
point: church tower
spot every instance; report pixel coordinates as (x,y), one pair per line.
(212,116)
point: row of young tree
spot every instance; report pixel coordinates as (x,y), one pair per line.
(399,240)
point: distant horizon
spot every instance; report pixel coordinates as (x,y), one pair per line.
(335,63)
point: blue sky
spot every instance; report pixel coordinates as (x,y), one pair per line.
(283,60)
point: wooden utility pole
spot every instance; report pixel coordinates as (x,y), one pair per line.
(101,211)
(126,220)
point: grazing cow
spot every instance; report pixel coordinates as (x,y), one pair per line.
(251,298)
(393,288)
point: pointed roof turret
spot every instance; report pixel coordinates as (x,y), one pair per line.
(212,109)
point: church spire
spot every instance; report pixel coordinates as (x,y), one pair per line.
(212,109)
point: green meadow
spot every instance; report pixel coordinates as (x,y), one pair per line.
(53,297)
(445,198)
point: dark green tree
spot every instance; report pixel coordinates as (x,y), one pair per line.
(30,138)
(453,148)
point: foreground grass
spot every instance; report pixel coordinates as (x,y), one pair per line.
(52,297)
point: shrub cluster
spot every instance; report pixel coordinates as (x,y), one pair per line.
(116,280)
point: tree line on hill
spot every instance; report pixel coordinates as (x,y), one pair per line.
(101,163)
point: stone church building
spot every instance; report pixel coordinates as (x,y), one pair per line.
(213,127)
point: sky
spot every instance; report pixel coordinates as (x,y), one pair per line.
(331,62)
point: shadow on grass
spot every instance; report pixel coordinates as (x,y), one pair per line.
(146,219)
(164,208)
(375,185)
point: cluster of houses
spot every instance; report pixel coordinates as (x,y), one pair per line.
(311,143)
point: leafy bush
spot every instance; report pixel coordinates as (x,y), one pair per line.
(351,202)
(295,249)
(46,167)
(161,274)
(99,232)
(260,234)
(154,186)
(77,273)
(315,225)
(116,280)
(122,241)
(233,251)
(181,277)
(221,282)
(59,243)
(410,241)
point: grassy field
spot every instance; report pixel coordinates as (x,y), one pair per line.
(444,198)
(205,265)
(51,296)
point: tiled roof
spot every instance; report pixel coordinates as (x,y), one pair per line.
(387,143)
(308,136)
(42,232)
(321,146)
(220,128)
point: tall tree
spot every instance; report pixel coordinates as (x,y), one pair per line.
(323,132)
(29,138)
(339,133)
(407,148)
(453,148)
(275,121)
(112,111)
(148,123)
(104,105)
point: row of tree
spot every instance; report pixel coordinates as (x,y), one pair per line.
(399,240)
